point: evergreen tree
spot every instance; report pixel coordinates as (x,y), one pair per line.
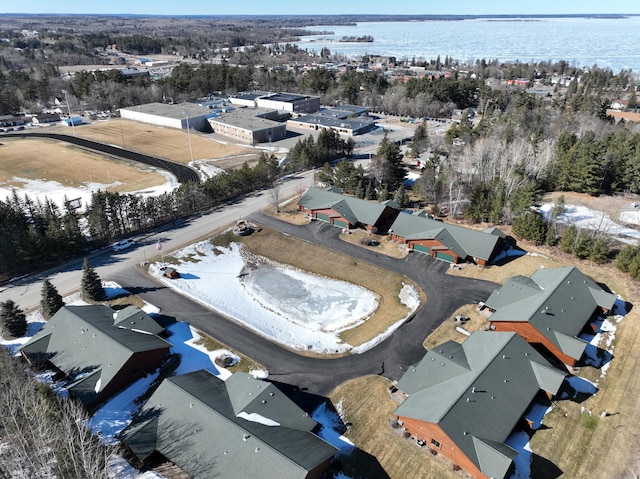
(12,320)
(91,285)
(400,196)
(568,239)
(51,301)
(420,141)
(530,225)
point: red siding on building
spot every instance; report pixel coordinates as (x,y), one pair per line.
(428,431)
(532,336)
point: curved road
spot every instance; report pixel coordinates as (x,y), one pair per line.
(183,173)
(390,358)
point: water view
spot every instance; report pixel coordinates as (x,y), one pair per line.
(605,42)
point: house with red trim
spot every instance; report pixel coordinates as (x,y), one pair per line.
(99,351)
(446,241)
(551,308)
(348,212)
(465,400)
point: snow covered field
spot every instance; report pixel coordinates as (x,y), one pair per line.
(41,189)
(586,218)
(293,308)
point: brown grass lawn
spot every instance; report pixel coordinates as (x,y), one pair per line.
(368,406)
(579,442)
(169,143)
(325,262)
(52,160)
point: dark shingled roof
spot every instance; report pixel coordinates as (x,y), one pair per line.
(235,429)
(558,302)
(477,391)
(83,342)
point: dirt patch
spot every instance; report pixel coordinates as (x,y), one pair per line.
(52,160)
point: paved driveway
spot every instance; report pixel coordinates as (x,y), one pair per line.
(390,358)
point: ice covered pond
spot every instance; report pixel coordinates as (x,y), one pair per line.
(313,302)
(294,308)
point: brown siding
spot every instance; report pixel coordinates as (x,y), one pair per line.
(428,431)
(137,366)
(318,471)
(431,243)
(532,336)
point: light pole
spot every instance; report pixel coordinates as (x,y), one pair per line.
(186,114)
(66,96)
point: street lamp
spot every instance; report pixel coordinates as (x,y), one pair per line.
(186,114)
(69,108)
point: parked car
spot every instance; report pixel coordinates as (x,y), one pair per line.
(122,245)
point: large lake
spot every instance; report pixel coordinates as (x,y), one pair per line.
(606,42)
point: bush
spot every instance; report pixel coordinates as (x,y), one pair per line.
(530,226)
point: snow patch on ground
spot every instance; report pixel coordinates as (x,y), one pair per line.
(57,192)
(586,218)
(205,168)
(300,310)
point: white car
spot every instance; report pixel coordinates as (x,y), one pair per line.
(122,245)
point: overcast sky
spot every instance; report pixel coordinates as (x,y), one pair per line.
(336,7)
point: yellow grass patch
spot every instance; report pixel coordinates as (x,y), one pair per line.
(168,143)
(53,160)
(368,407)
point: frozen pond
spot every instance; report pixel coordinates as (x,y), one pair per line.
(312,302)
(294,308)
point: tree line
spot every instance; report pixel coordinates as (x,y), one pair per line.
(39,233)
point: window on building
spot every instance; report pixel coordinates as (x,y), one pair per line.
(435,443)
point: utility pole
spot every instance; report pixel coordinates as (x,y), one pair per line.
(186,114)
(66,96)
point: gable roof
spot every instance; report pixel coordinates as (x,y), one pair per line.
(557,302)
(84,343)
(137,320)
(464,242)
(477,391)
(238,429)
(352,209)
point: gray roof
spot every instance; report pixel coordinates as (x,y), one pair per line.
(137,320)
(462,241)
(352,209)
(174,111)
(235,429)
(477,391)
(83,342)
(558,302)
(247,119)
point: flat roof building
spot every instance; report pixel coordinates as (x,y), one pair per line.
(174,116)
(249,125)
(284,103)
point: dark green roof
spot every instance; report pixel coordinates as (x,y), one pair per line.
(238,429)
(135,319)
(477,392)
(83,340)
(558,302)
(464,242)
(354,210)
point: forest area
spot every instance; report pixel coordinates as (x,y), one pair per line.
(492,170)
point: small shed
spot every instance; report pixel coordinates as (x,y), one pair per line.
(171,273)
